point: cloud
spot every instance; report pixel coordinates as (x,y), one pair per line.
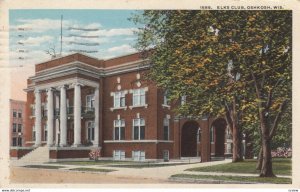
(112,32)
(36,41)
(39,25)
(123,48)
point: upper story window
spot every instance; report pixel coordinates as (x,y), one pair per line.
(20,114)
(32,108)
(139,97)
(119,99)
(14,113)
(90,102)
(183,100)
(19,128)
(166,98)
(138,129)
(119,129)
(14,127)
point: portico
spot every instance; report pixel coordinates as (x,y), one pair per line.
(60,112)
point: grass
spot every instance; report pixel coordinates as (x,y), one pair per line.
(44,166)
(146,165)
(100,162)
(281,166)
(92,169)
(237,179)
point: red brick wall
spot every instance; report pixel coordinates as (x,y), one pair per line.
(149,114)
(63,154)
(149,148)
(18,153)
(68,59)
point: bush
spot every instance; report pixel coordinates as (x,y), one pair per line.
(95,154)
(282,152)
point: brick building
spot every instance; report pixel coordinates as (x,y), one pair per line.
(17,122)
(77,102)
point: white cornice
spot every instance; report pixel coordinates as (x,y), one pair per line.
(138,141)
(69,81)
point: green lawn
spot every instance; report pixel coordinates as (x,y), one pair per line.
(237,179)
(92,169)
(147,165)
(100,162)
(44,166)
(281,166)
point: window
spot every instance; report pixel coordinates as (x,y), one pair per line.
(44,110)
(119,99)
(90,101)
(138,155)
(14,127)
(20,114)
(19,141)
(32,107)
(183,100)
(119,129)
(90,130)
(33,133)
(19,128)
(166,128)
(14,141)
(119,155)
(138,129)
(14,113)
(138,97)
(45,132)
(212,138)
(166,98)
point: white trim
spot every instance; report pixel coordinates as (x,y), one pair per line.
(136,106)
(68,82)
(166,106)
(137,141)
(116,108)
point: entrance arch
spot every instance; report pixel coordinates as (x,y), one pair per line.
(189,139)
(218,128)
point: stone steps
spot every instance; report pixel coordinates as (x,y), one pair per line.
(39,155)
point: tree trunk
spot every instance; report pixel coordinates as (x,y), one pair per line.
(259,159)
(237,145)
(266,169)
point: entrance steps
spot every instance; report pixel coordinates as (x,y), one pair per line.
(39,155)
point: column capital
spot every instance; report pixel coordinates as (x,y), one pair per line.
(62,86)
(37,90)
(50,89)
(77,84)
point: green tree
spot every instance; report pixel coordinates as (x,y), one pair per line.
(231,63)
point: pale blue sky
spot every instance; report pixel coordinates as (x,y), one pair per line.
(42,31)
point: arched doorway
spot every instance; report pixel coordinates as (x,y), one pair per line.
(189,139)
(218,128)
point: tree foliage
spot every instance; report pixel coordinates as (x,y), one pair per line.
(231,63)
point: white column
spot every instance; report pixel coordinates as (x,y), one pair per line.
(96,141)
(50,116)
(77,114)
(56,120)
(38,118)
(63,116)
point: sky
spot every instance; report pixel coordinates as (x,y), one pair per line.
(103,34)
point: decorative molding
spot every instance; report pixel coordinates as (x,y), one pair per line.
(116,108)
(138,141)
(137,106)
